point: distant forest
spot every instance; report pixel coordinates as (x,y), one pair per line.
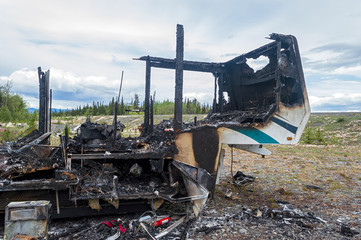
(13,108)
(190,106)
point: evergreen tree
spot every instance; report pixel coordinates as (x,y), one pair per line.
(5,114)
(136,101)
(12,106)
(122,107)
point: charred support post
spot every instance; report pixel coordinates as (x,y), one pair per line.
(179,79)
(43,101)
(151,115)
(147,95)
(215,94)
(278,77)
(51,105)
(116,110)
(115,121)
(220,93)
(47,95)
(66,135)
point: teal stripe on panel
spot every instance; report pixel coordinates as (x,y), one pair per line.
(285,125)
(255,134)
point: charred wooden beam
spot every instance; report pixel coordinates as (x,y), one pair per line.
(50,107)
(86,211)
(278,77)
(147,95)
(151,115)
(178,98)
(264,50)
(36,184)
(196,66)
(115,121)
(43,101)
(124,156)
(220,93)
(47,105)
(214,108)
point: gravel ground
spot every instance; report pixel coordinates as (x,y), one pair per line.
(314,192)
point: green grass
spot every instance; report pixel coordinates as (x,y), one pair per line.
(333,129)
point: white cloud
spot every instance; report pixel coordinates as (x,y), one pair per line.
(81,89)
(33,102)
(337,94)
(353,70)
(86,44)
(336,99)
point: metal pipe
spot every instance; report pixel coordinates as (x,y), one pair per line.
(57,202)
(120,87)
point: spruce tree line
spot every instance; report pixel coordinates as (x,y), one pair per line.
(134,107)
(13,108)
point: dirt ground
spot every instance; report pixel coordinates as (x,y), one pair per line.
(299,192)
(318,184)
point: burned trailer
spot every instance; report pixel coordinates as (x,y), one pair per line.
(250,108)
(99,171)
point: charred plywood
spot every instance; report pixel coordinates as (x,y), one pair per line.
(199,147)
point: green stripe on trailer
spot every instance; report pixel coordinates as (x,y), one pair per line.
(256,135)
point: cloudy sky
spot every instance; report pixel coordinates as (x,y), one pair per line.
(86,45)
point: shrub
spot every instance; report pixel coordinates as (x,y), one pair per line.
(340,119)
(7,135)
(319,136)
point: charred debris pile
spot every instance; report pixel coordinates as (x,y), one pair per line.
(100,172)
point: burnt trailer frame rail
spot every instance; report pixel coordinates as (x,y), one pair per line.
(99,170)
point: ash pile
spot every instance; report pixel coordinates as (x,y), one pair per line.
(145,226)
(284,222)
(94,137)
(24,158)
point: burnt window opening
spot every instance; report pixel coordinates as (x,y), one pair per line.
(249,82)
(225,97)
(257,82)
(258,63)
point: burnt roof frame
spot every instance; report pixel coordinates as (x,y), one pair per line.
(167,63)
(218,69)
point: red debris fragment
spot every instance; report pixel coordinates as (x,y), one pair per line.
(123,230)
(161,222)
